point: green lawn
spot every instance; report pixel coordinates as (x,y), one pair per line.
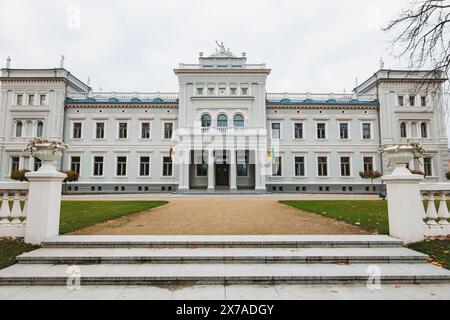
(76,215)
(372,216)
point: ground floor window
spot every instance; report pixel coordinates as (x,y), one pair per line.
(368,164)
(299,166)
(322,166)
(345,167)
(428,166)
(277,167)
(144,167)
(202,168)
(121,166)
(167,166)
(98,166)
(37,164)
(75,164)
(15,163)
(242,165)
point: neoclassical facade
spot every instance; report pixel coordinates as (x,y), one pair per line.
(222,132)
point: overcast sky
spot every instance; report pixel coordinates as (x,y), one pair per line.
(133,45)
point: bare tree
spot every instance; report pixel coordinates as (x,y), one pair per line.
(422,33)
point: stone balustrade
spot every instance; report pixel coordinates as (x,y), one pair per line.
(14,209)
(435,212)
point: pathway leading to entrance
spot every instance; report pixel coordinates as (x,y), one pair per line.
(222,216)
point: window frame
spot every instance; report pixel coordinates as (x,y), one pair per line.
(72,163)
(348,130)
(117,175)
(280,136)
(12,163)
(141,127)
(96,131)
(163,166)
(327,157)
(102,167)
(119,122)
(73,130)
(431,166)
(350,166)
(279,173)
(149,166)
(325,130)
(372,163)
(370,123)
(304,166)
(164,123)
(302,124)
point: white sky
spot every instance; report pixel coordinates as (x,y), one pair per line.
(133,45)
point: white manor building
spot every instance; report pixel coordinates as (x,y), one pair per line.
(222,130)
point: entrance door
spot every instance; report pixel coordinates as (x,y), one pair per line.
(222,175)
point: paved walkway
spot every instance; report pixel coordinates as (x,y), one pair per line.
(222,216)
(277,292)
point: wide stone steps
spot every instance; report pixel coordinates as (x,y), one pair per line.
(221,255)
(222,260)
(222,274)
(357,241)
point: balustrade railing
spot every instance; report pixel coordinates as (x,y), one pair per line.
(435,212)
(126,95)
(13,209)
(310,96)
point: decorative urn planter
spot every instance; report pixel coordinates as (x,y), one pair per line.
(49,152)
(400,156)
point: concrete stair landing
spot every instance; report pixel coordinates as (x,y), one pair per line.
(222,260)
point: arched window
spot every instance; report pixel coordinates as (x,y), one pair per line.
(424,130)
(222,121)
(403,133)
(238,121)
(40,129)
(19,129)
(206,121)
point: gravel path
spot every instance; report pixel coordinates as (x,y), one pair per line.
(221,216)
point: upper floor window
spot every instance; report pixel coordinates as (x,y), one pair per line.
(343,131)
(366,131)
(100,130)
(428,166)
(276,130)
(238,121)
(403,132)
(401,101)
(206,121)
(76,134)
(199,91)
(40,129)
(424,130)
(31,100)
(298,130)
(222,121)
(19,128)
(321,131)
(168,130)
(412,101)
(42,99)
(423,101)
(19,99)
(145,130)
(123,130)
(244,91)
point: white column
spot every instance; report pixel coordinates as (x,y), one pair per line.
(405,207)
(211,168)
(260,178)
(233,171)
(44,202)
(184,170)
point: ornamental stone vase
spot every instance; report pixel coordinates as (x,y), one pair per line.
(400,156)
(49,155)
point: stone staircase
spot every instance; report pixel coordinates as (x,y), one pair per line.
(219,260)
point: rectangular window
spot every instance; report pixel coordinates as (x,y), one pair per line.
(423,101)
(412,101)
(75,164)
(31,100)
(100,130)
(121,166)
(401,101)
(98,166)
(321,131)
(76,130)
(37,164)
(345,167)
(145,130)
(242,165)
(428,167)
(298,130)
(211,91)
(199,91)
(276,130)
(322,166)
(168,130)
(244,91)
(167,166)
(368,164)
(123,130)
(366,128)
(42,99)
(343,131)
(299,166)
(233,91)
(202,168)
(15,163)
(144,167)
(277,167)
(19,99)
